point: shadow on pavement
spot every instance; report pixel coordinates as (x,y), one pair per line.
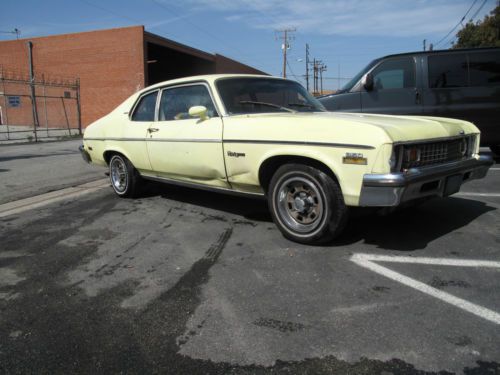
(406,230)
(413,228)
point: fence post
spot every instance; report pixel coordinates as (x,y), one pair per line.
(78,106)
(32,89)
(6,117)
(45,105)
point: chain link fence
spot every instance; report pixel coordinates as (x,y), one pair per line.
(32,110)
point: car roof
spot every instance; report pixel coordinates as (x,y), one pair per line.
(441,51)
(208,77)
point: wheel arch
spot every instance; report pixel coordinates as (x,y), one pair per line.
(271,164)
(108,154)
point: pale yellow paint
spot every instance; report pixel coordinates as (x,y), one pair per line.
(207,162)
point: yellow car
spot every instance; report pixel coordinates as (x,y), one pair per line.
(267,136)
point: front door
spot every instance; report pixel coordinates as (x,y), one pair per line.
(184,148)
(394,90)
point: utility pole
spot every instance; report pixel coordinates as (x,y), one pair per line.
(307,67)
(425,40)
(285,36)
(322,68)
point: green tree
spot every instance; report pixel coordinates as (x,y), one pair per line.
(485,33)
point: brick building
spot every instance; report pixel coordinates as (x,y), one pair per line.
(110,65)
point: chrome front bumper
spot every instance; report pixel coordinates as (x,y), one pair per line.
(85,154)
(389,190)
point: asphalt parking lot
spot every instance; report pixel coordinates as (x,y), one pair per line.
(185,281)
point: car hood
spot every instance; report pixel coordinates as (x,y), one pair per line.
(397,128)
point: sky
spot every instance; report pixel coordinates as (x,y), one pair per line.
(344,34)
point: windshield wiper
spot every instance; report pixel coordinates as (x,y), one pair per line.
(268,105)
(303,105)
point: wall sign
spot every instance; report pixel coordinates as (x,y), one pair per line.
(14,101)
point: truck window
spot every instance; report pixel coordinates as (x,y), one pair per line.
(394,74)
(484,68)
(448,71)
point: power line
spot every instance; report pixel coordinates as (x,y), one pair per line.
(459,23)
(477,11)
(450,41)
(204,31)
(111,12)
(16,31)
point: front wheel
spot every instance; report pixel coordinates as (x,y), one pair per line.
(123,176)
(306,204)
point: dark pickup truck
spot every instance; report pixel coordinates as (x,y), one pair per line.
(458,83)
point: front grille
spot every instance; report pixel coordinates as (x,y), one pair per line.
(423,154)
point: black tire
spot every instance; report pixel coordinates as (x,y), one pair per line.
(495,150)
(124,178)
(306,204)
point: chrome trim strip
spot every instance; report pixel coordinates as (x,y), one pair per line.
(157,140)
(432,140)
(297,143)
(300,143)
(183,140)
(194,185)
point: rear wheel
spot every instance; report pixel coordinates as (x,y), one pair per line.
(123,176)
(306,204)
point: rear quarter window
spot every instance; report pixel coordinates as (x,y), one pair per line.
(484,68)
(145,108)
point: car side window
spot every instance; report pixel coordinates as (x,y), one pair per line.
(394,74)
(484,68)
(175,102)
(447,71)
(145,109)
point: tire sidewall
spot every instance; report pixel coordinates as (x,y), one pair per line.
(126,191)
(334,212)
(275,210)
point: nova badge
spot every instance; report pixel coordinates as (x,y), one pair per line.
(236,154)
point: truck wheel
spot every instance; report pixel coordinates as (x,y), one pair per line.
(123,176)
(306,204)
(495,150)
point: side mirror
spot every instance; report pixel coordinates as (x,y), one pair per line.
(198,111)
(367,81)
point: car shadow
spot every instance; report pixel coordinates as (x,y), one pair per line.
(250,208)
(412,228)
(408,229)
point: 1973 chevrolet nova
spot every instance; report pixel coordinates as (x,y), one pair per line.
(267,136)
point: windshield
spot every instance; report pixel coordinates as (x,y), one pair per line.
(349,85)
(264,95)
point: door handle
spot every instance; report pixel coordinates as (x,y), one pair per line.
(152,130)
(417,97)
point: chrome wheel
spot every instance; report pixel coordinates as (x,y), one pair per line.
(118,174)
(300,204)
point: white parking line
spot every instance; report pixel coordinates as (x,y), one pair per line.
(494,169)
(30,203)
(466,194)
(367,261)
